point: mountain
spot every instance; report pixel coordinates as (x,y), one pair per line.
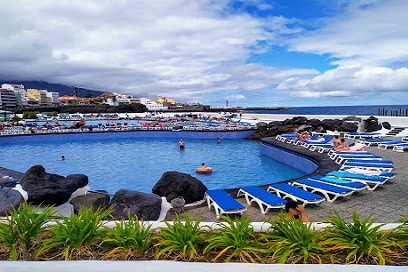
(53,87)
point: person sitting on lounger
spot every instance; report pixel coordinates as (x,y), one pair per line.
(336,142)
(296,210)
(4,176)
(343,146)
(303,135)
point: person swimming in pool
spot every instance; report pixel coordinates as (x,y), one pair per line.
(181,143)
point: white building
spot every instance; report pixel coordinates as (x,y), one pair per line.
(7,98)
(52,98)
(19,90)
(152,105)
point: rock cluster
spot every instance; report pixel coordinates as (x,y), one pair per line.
(347,124)
(38,187)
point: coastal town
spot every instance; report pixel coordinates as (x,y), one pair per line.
(13,96)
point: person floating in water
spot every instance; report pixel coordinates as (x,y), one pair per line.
(62,158)
(218,140)
(204,169)
(181,144)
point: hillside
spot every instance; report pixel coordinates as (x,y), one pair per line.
(53,87)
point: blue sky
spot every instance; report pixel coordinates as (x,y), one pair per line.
(249,53)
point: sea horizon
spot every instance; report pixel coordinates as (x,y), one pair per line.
(365,110)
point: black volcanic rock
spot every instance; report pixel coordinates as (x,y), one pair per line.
(173,184)
(9,199)
(127,202)
(50,189)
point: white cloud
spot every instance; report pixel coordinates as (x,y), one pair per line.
(193,49)
(367,43)
(356,81)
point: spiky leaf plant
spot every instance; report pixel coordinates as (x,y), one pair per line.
(72,236)
(235,240)
(129,238)
(400,233)
(361,239)
(292,241)
(19,230)
(180,239)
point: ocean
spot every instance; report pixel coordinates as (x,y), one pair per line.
(376,110)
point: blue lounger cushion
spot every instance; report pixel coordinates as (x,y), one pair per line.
(266,196)
(367,164)
(388,162)
(341,182)
(329,191)
(286,190)
(360,156)
(263,198)
(223,202)
(372,181)
(324,186)
(344,174)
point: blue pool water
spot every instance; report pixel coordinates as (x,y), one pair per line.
(137,164)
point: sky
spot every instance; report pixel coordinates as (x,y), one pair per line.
(249,53)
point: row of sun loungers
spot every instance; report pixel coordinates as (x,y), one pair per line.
(358,171)
(383,143)
(312,190)
(322,143)
(358,135)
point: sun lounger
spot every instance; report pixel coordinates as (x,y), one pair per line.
(388,175)
(223,203)
(321,148)
(334,154)
(263,198)
(400,147)
(284,136)
(372,181)
(285,190)
(386,167)
(392,144)
(330,192)
(357,135)
(353,185)
(320,140)
(373,141)
(371,162)
(328,147)
(362,157)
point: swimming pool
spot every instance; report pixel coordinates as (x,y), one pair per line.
(138,163)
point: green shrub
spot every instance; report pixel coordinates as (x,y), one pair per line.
(235,239)
(360,239)
(291,240)
(72,236)
(19,230)
(180,239)
(128,238)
